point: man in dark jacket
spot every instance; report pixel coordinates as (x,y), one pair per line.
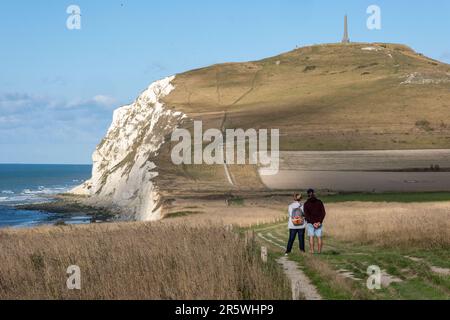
(314,215)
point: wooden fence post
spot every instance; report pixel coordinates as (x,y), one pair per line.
(264,254)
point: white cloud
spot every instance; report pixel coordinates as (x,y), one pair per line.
(105,100)
(26,118)
(97,101)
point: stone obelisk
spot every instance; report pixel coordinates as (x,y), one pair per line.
(346,39)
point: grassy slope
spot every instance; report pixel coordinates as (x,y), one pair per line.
(329,97)
(325,97)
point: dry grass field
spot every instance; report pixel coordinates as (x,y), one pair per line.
(136,261)
(424,225)
(194,253)
(238,212)
(389,224)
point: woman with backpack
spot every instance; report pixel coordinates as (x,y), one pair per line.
(296,224)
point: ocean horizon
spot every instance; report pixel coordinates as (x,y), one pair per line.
(37,183)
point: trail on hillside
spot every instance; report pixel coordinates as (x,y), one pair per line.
(225,164)
(247,92)
(222,128)
(228,173)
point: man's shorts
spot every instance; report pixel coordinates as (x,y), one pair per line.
(313,232)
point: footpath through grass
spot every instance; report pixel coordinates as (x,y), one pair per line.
(341,271)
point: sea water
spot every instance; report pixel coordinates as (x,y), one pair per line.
(25,184)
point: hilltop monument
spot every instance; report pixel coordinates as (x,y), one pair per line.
(346,39)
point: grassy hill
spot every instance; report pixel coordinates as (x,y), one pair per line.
(325,97)
(328,97)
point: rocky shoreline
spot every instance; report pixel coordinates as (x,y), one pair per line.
(70,205)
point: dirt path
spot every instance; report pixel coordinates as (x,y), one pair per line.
(225,164)
(302,288)
(249,91)
(438,270)
(228,173)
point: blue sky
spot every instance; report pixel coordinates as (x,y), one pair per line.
(59,87)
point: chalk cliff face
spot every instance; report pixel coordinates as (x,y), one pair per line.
(123,163)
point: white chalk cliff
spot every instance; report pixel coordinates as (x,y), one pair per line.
(123,169)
